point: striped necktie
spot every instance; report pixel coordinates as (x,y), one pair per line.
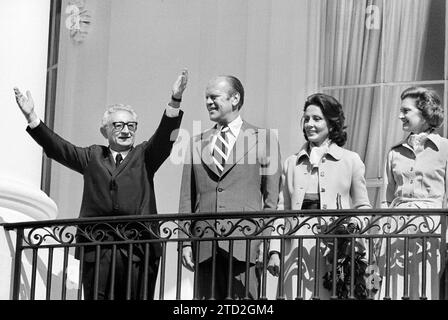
(221,149)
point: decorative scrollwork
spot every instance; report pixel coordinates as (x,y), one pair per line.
(410,224)
(250,227)
(128,231)
(78,20)
(60,234)
(362,225)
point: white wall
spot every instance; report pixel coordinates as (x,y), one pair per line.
(24,29)
(135,50)
(23,63)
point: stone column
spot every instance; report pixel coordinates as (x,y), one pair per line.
(24,27)
(19,202)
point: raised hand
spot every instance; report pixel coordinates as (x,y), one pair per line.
(26,104)
(180,84)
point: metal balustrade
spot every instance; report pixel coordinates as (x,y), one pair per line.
(367,249)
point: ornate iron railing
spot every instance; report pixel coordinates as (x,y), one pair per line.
(401,254)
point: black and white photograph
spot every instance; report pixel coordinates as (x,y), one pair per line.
(224,158)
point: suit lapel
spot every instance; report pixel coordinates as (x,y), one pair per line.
(125,161)
(248,136)
(108,161)
(205,151)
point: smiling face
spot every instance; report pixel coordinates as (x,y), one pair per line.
(315,125)
(220,102)
(119,140)
(412,117)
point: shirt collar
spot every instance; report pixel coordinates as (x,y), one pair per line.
(123,153)
(234,126)
(334,151)
(433,137)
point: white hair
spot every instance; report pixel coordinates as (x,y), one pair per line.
(114,108)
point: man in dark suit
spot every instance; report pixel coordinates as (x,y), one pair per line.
(233,166)
(118,180)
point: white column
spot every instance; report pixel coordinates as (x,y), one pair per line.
(19,202)
(24,27)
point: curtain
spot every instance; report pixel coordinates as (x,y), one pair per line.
(405,40)
(355,54)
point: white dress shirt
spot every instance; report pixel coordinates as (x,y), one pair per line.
(123,153)
(234,131)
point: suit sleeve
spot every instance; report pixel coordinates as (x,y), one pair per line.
(271,168)
(270,180)
(389,185)
(187,198)
(284,198)
(284,203)
(55,147)
(358,189)
(188,184)
(160,144)
(445,198)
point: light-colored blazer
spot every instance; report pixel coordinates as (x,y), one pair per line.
(421,178)
(340,171)
(250,182)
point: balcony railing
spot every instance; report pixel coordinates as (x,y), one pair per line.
(389,254)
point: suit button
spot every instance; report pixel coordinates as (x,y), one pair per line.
(324,206)
(322,174)
(411,182)
(322,189)
(220,189)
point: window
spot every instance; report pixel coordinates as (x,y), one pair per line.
(371,50)
(52,71)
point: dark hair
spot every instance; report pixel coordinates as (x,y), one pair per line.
(333,114)
(235,87)
(428,102)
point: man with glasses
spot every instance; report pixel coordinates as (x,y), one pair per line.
(118,180)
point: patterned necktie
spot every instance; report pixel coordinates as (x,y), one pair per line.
(417,141)
(317,153)
(221,149)
(118,159)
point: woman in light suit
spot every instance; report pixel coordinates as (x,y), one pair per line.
(415,177)
(322,175)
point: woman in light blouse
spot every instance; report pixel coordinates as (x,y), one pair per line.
(322,175)
(416,177)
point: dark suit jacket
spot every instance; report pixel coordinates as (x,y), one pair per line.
(250,182)
(110,191)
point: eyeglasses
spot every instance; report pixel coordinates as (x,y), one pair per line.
(119,125)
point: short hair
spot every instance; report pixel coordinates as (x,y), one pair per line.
(333,114)
(235,87)
(114,108)
(428,102)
